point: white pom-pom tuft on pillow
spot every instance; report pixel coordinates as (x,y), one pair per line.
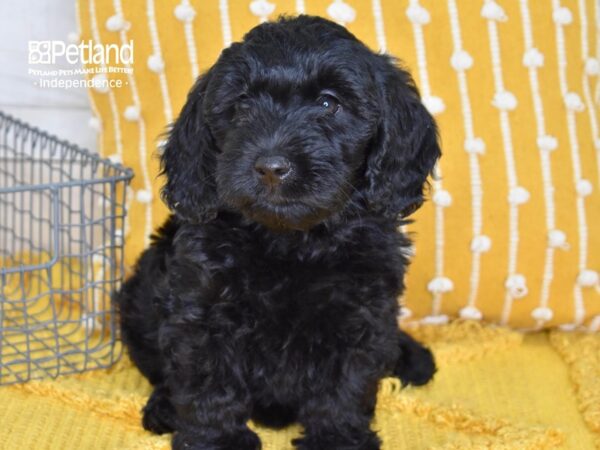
(584,188)
(341,12)
(562,16)
(184,12)
(493,11)
(461,60)
(547,143)
(155,63)
(505,100)
(516,285)
(518,195)
(440,285)
(116,23)
(481,244)
(557,239)
(440,319)
(418,15)
(475,145)
(470,313)
(442,198)
(542,313)
(533,58)
(588,278)
(573,102)
(592,66)
(261,8)
(132,113)
(434,105)
(143,196)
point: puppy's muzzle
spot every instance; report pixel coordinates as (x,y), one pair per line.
(272,170)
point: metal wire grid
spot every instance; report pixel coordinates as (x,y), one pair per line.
(62,213)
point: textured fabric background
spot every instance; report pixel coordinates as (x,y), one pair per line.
(494,390)
(512,234)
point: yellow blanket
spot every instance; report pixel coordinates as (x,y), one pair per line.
(495,389)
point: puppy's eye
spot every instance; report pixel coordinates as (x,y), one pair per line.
(329,103)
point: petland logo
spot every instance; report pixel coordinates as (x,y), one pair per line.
(101,67)
(47,52)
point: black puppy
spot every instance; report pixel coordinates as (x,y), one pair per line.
(272,292)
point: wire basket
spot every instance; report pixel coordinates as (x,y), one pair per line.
(62,214)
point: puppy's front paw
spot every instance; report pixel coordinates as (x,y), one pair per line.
(417,367)
(158,414)
(327,441)
(244,439)
(416,364)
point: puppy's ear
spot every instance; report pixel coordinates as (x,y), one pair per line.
(406,147)
(189,159)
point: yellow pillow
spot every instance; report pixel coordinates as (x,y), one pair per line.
(512,232)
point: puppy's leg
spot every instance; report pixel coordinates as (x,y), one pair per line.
(212,414)
(139,327)
(159,414)
(338,415)
(415,364)
(208,392)
(138,318)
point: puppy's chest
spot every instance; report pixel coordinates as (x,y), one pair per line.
(289,280)
(291,288)
(248,291)
(289,299)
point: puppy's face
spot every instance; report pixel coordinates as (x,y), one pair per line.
(293,122)
(290,127)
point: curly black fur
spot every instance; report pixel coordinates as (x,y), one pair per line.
(276,299)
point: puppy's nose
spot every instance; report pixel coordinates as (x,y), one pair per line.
(272,169)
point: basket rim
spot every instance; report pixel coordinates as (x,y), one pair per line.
(122,173)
